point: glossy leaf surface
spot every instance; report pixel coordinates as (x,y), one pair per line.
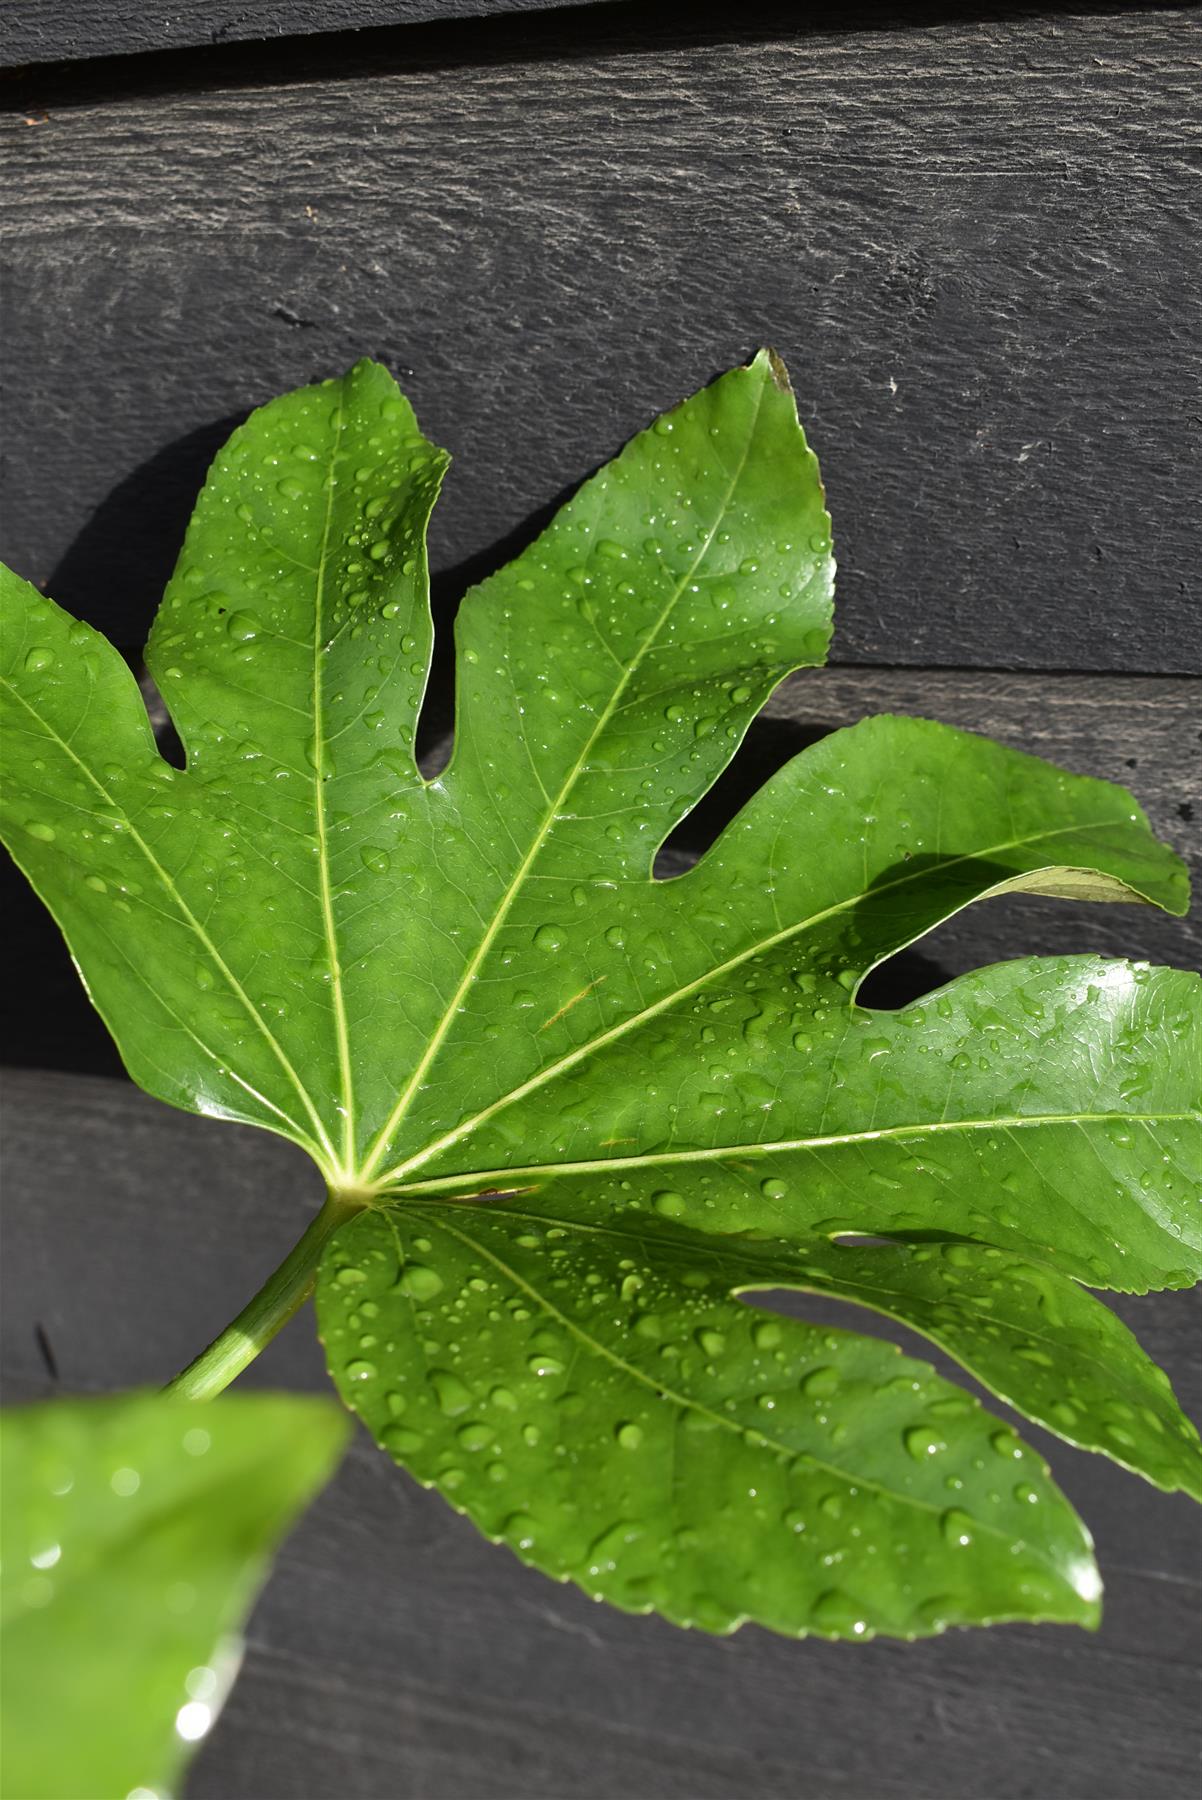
(452,989)
(593,1396)
(136,1532)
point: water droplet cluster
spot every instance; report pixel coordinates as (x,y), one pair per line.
(602,1404)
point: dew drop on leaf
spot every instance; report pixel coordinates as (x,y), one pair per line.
(420,1282)
(921,1442)
(958,1527)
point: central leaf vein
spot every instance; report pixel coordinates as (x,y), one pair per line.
(380,1146)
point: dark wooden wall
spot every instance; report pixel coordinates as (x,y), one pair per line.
(969,239)
(973,232)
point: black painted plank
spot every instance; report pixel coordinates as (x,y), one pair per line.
(1140,731)
(974,243)
(395,1652)
(37,31)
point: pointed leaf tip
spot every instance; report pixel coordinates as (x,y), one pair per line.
(777,368)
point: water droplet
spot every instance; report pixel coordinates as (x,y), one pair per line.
(400,1439)
(242,626)
(474,1436)
(819,1384)
(671,1205)
(453,1396)
(37,659)
(629,1436)
(766,1335)
(836,1611)
(921,1442)
(957,1527)
(361,1371)
(44,833)
(544,1365)
(378,861)
(419,1282)
(548,937)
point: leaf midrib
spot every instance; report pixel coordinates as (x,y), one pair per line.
(329,927)
(884,1300)
(634,1020)
(380,1144)
(660,1391)
(720,1152)
(195,926)
(838,1287)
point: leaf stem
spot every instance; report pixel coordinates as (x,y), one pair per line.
(281,1296)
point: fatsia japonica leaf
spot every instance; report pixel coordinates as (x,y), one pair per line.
(136,1532)
(582,1110)
(596,1398)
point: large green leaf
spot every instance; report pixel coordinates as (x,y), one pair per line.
(593,1396)
(136,1532)
(473,986)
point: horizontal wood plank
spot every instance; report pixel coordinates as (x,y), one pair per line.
(38,31)
(974,245)
(395,1652)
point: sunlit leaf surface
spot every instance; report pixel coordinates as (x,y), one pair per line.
(585,1108)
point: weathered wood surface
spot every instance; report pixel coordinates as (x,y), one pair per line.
(974,241)
(396,1653)
(36,31)
(1140,731)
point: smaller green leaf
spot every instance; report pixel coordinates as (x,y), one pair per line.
(596,1398)
(136,1531)
(1032,1336)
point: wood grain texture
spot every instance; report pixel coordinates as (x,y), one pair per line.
(396,1653)
(36,31)
(974,243)
(1140,731)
